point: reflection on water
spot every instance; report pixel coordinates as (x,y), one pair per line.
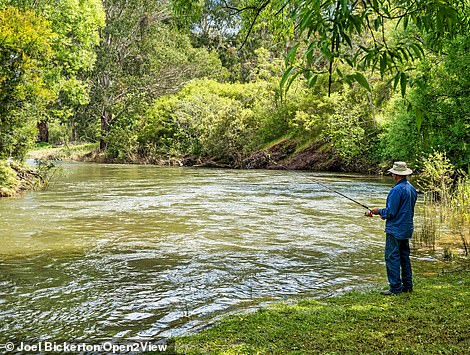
(136,251)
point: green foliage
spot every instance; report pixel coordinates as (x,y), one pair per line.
(16,177)
(58,133)
(159,130)
(446,209)
(207,118)
(45,152)
(228,122)
(353,32)
(8,180)
(141,99)
(226,27)
(436,112)
(344,120)
(77,24)
(400,135)
(25,52)
(435,174)
(140,58)
(122,138)
(346,128)
(44,48)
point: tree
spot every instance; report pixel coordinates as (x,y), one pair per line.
(140,57)
(436,112)
(222,26)
(339,31)
(72,53)
(26,50)
(76,24)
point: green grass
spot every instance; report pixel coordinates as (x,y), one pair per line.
(433,319)
(72,152)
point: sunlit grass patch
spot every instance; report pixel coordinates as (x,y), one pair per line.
(434,318)
(48,152)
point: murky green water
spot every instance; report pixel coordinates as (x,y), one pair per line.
(137,251)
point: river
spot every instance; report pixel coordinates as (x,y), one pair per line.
(127,251)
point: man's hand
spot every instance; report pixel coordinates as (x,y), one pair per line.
(372,212)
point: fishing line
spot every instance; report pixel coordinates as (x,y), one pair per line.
(327,187)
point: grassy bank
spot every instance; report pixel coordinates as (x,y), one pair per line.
(433,319)
(66,152)
(89,152)
(285,153)
(17,177)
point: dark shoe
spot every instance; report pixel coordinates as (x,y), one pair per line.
(389,293)
(407,290)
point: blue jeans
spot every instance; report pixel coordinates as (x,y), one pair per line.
(397,255)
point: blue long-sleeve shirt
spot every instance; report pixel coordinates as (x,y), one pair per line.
(399,210)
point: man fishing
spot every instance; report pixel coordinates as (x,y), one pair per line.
(398,213)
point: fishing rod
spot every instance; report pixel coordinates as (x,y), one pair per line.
(337,192)
(327,187)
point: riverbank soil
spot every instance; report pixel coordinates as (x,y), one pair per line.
(435,318)
(286,155)
(282,155)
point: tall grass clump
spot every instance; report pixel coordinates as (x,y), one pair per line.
(460,207)
(9,182)
(446,209)
(16,177)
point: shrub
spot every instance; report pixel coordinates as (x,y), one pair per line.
(435,176)
(9,182)
(207,118)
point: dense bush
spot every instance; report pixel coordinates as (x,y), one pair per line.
(436,112)
(208,119)
(228,122)
(343,119)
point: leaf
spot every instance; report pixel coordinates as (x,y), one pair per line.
(419,118)
(396,80)
(312,81)
(316,6)
(421,85)
(405,22)
(361,79)
(291,80)
(309,53)
(377,23)
(417,49)
(292,53)
(285,76)
(308,74)
(347,39)
(349,79)
(403,81)
(383,63)
(344,6)
(306,21)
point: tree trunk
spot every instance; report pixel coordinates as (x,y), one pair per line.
(43,128)
(105,120)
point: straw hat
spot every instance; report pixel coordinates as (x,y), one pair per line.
(400,168)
